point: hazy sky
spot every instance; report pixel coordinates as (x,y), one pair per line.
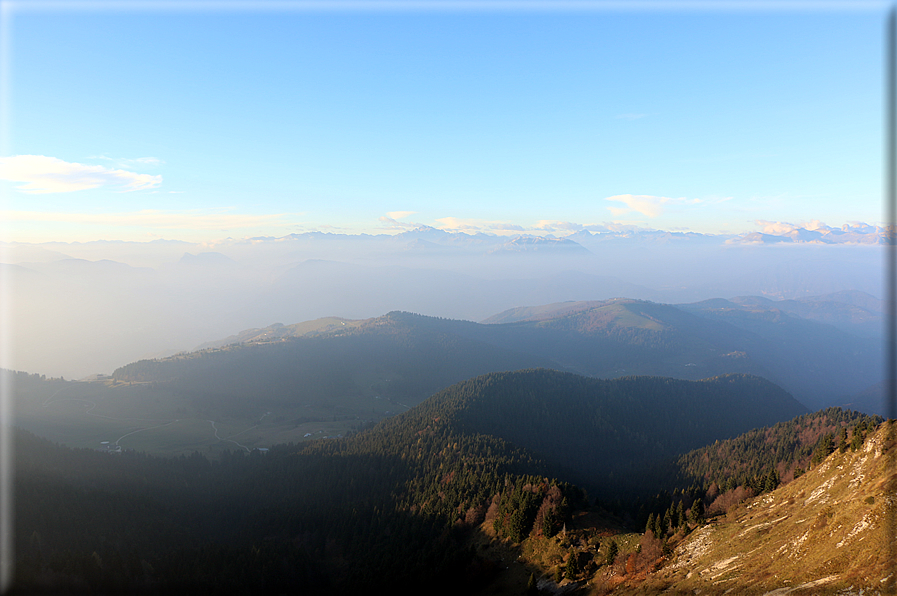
(152,122)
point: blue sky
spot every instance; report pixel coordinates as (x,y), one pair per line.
(199,125)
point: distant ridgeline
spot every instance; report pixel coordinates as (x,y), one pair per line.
(21,379)
(408,357)
(404,363)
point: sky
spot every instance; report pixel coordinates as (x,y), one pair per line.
(140,121)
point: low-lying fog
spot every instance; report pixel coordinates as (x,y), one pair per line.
(84,308)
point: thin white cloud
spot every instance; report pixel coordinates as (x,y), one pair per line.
(620,227)
(860,227)
(776,228)
(399,214)
(457,224)
(647,205)
(473,226)
(782,228)
(45,175)
(553,226)
(816,225)
(151,218)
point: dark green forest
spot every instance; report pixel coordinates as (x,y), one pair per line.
(394,505)
(603,433)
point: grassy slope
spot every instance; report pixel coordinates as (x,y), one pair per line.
(826,532)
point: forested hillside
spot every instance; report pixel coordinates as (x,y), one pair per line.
(783,451)
(397,501)
(726,472)
(335,517)
(604,433)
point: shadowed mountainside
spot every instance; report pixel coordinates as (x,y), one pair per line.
(407,356)
(603,434)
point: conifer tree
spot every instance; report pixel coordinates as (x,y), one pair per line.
(857,440)
(612,551)
(697,511)
(771,480)
(572,569)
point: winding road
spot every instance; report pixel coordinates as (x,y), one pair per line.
(228,439)
(140,430)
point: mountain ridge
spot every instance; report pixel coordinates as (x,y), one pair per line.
(818,363)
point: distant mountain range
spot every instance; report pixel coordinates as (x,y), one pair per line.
(855,312)
(408,357)
(85,308)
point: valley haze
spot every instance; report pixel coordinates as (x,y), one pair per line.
(85,308)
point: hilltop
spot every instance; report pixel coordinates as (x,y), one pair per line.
(592,430)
